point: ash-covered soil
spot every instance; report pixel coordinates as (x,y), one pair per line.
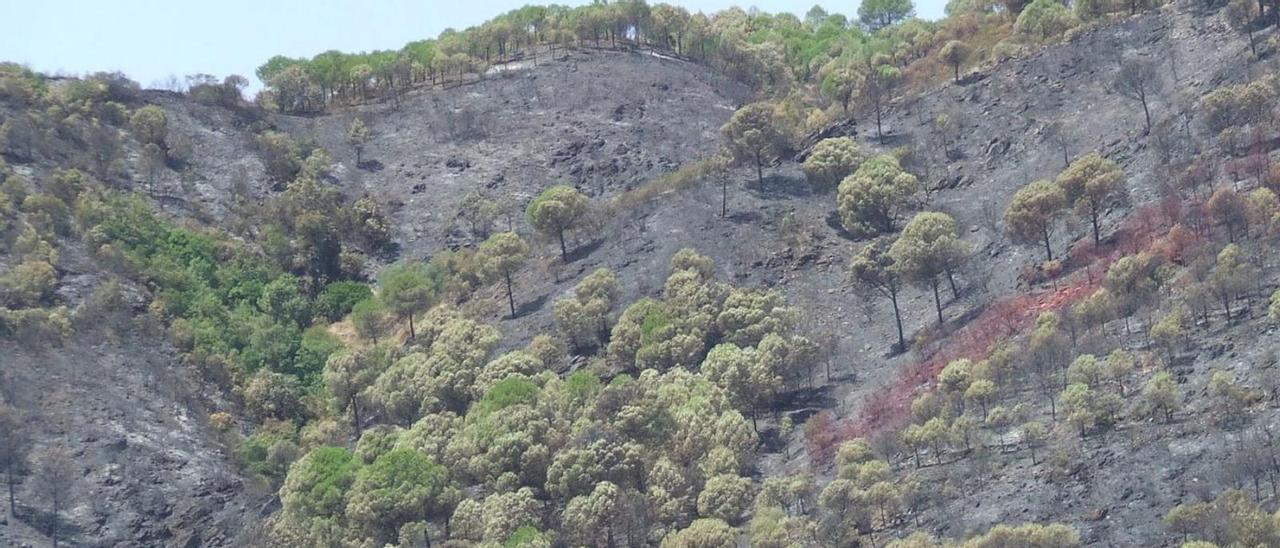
(148,469)
(598,120)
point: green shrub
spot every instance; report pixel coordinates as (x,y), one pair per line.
(339,298)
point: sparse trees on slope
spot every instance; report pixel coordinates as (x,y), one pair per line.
(1048,351)
(1169,333)
(1033,212)
(1086,407)
(955,53)
(1229,397)
(479,212)
(752,137)
(499,257)
(1091,183)
(151,161)
(55,477)
(1058,133)
(1232,275)
(1161,395)
(870,200)
(875,268)
(929,248)
(1228,208)
(882,78)
(1262,210)
(1239,15)
(556,210)
(150,124)
(358,135)
(1034,433)
(1030,535)
(1131,281)
(13,451)
(1138,79)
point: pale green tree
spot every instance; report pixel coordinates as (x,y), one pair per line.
(871,199)
(409,288)
(1273,309)
(583,316)
(725,497)
(930,248)
(843,82)
(479,212)
(1231,276)
(499,258)
(1086,369)
(1161,395)
(349,374)
(743,374)
(1230,398)
(317,483)
(703,533)
(556,210)
(1045,20)
(1077,403)
(831,161)
(592,519)
(955,53)
(753,138)
(981,391)
(1119,365)
(1170,333)
(150,125)
(358,136)
(1092,183)
(749,315)
(1034,211)
(369,317)
(874,268)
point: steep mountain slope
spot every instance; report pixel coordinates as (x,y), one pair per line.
(608,122)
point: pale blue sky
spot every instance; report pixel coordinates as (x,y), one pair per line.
(152,39)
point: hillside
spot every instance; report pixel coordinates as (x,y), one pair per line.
(186,371)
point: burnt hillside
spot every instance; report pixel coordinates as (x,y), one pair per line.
(153,468)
